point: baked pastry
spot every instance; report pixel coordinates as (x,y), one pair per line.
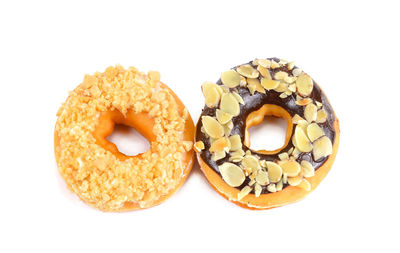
(94,169)
(261,179)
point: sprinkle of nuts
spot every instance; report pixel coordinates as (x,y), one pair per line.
(223,117)
(274,172)
(211,94)
(314,132)
(247,71)
(310,113)
(232,174)
(322,148)
(262,177)
(236,142)
(230,78)
(322,115)
(229,104)
(308,169)
(244,192)
(301,140)
(212,127)
(199,146)
(269,84)
(304,85)
(291,168)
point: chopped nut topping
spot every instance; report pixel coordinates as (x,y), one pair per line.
(269,84)
(218,155)
(248,71)
(264,62)
(251,161)
(280,75)
(238,98)
(283,95)
(262,177)
(211,94)
(322,115)
(229,104)
(308,169)
(310,112)
(187,145)
(199,146)
(322,148)
(294,181)
(304,102)
(232,174)
(220,145)
(236,142)
(304,85)
(230,78)
(274,172)
(301,141)
(319,105)
(290,168)
(297,72)
(296,118)
(304,184)
(274,64)
(283,156)
(282,87)
(264,72)
(257,190)
(223,117)
(256,85)
(212,127)
(271,188)
(314,132)
(244,192)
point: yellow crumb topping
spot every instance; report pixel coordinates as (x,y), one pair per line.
(94,173)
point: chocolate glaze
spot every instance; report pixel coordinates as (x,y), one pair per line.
(255,102)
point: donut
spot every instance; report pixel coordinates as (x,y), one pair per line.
(94,169)
(264,179)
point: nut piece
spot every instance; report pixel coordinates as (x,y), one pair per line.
(304,101)
(269,84)
(223,117)
(283,156)
(310,113)
(290,168)
(236,142)
(198,146)
(229,104)
(322,148)
(282,87)
(314,132)
(257,190)
(271,188)
(255,83)
(301,141)
(248,71)
(308,169)
(296,118)
(274,172)
(244,192)
(220,145)
(232,174)
(212,127)
(280,75)
(211,94)
(238,98)
(294,181)
(322,115)
(230,78)
(262,177)
(218,155)
(304,85)
(264,62)
(305,185)
(250,161)
(264,72)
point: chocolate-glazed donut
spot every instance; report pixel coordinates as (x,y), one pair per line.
(261,179)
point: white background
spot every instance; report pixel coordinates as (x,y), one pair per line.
(350,48)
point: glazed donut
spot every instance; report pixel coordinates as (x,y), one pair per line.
(94,169)
(261,179)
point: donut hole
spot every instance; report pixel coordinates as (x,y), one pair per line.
(128,141)
(269,134)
